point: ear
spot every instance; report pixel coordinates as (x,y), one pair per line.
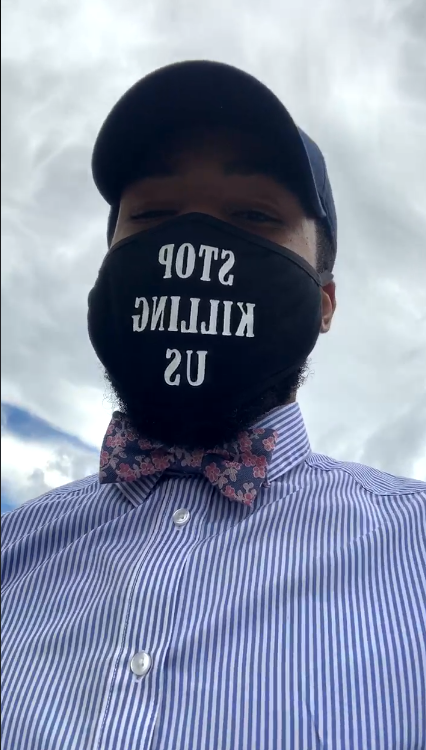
(328,294)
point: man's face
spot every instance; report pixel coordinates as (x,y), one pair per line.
(228,175)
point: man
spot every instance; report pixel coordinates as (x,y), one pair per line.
(217,585)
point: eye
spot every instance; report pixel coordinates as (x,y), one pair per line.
(257,217)
(152,215)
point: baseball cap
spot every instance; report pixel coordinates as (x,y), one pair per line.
(200,92)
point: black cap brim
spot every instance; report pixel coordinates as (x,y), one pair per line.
(188,94)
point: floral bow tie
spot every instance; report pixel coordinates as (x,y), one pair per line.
(238,469)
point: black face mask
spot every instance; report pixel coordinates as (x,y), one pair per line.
(196,318)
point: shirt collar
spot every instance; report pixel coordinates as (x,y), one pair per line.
(292,448)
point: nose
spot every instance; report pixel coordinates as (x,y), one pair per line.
(203,199)
(203,208)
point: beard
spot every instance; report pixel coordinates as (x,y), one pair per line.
(201,431)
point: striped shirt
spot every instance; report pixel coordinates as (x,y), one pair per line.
(298,624)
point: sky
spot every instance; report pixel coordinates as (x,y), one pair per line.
(353,77)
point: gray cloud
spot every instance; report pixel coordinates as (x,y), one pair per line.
(61,462)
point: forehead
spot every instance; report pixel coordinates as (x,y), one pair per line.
(222,143)
(170,153)
(228,150)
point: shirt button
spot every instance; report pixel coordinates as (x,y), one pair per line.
(181,517)
(141,664)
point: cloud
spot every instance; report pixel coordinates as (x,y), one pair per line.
(37,457)
(353,78)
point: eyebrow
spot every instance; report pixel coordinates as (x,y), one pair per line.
(252,167)
(161,168)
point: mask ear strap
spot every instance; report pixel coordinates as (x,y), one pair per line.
(326,277)
(112,223)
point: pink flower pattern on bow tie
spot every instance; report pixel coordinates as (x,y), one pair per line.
(237,469)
